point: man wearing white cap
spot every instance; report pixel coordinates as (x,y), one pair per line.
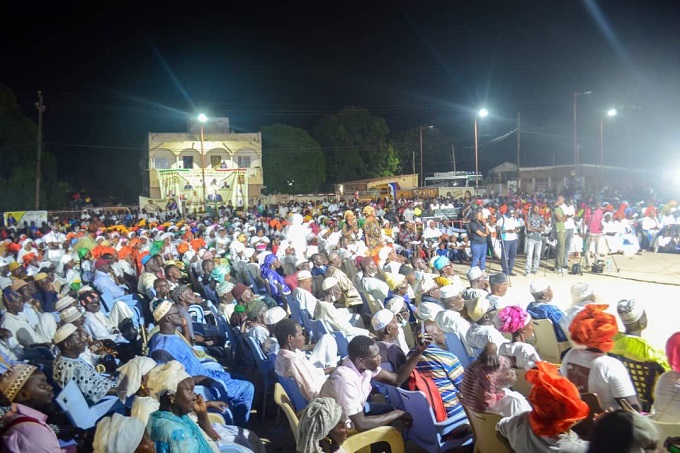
(69,367)
(451,322)
(430,292)
(370,284)
(477,279)
(386,328)
(350,294)
(482,330)
(630,344)
(541,308)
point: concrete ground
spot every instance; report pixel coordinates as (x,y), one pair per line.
(651,279)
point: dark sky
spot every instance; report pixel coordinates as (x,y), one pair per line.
(113,72)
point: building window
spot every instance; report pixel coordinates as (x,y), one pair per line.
(161,163)
(243,161)
(188,162)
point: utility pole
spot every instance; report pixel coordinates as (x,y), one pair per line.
(41,108)
(414,163)
(453,156)
(519,133)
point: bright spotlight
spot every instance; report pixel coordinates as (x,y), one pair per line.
(483,113)
(612,112)
(202,118)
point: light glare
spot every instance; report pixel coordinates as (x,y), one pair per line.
(202,118)
(483,113)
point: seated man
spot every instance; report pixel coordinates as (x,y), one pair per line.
(591,369)
(370,284)
(103,280)
(350,294)
(292,362)
(46,292)
(443,368)
(387,330)
(498,284)
(350,383)
(68,366)
(97,324)
(482,331)
(541,308)
(486,385)
(630,344)
(166,345)
(544,428)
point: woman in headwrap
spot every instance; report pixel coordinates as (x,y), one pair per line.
(667,390)
(322,427)
(625,432)
(174,431)
(372,232)
(118,433)
(273,278)
(556,408)
(517,322)
(591,369)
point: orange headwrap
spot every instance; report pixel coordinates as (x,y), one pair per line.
(28,257)
(594,328)
(556,402)
(182,248)
(124,252)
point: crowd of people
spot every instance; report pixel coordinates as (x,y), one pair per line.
(158,310)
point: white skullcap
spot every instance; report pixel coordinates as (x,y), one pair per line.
(381,319)
(449,291)
(118,433)
(328,283)
(274,315)
(473,293)
(446,320)
(581,291)
(427,311)
(248,252)
(70,314)
(428,285)
(64,332)
(395,304)
(538,286)
(474,273)
(165,379)
(162,309)
(300,262)
(188,256)
(304,275)
(64,302)
(130,375)
(224,288)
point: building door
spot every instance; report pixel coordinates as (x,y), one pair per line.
(188,162)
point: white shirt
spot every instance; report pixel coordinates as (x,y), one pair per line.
(478,336)
(517,430)
(508,226)
(667,398)
(594,372)
(569,222)
(525,355)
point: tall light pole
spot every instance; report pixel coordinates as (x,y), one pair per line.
(202,119)
(610,113)
(576,157)
(422,173)
(483,113)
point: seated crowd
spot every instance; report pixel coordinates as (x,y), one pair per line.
(157,322)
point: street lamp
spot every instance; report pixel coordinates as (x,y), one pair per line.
(610,113)
(483,113)
(576,96)
(202,119)
(422,174)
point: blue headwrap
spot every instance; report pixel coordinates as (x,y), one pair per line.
(441,262)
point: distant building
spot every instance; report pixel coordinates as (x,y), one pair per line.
(232,164)
(503,173)
(587,177)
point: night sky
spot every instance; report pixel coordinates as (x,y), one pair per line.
(112,73)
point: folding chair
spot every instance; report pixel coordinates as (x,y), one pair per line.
(644,376)
(584,427)
(387,434)
(265,369)
(455,346)
(547,346)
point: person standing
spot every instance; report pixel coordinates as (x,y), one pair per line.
(508,228)
(535,224)
(479,231)
(569,227)
(560,233)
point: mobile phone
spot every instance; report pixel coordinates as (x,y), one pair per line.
(422,328)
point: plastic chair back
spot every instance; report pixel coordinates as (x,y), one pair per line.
(455,346)
(292,389)
(666,430)
(386,434)
(584,426)
(283,401)
(547,346)
(294,307)
(522,385)
(644,376)
(483,426)
(426,431)
(79,413)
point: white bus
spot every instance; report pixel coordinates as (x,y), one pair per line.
(453,179)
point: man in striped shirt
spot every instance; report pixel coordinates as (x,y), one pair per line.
(443,368)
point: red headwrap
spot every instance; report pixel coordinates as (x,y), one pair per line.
(594,328)
(673,351)
(556,402)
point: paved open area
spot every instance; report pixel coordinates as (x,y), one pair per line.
(651,279)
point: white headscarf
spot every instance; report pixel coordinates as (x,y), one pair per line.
(118,433)
(165,379)
(130,377)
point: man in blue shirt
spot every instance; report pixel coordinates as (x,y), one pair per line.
(541,308)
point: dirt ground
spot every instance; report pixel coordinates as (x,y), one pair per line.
(651,279)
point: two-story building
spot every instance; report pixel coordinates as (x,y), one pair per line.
(211,166)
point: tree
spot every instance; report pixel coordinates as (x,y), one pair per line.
(18,135)
(291,154)
(355,145)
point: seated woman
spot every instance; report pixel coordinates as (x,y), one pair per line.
(517,322)
(23,391)
(557,406)
(623,431)
(667,390)
(118,433)
(322,427)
